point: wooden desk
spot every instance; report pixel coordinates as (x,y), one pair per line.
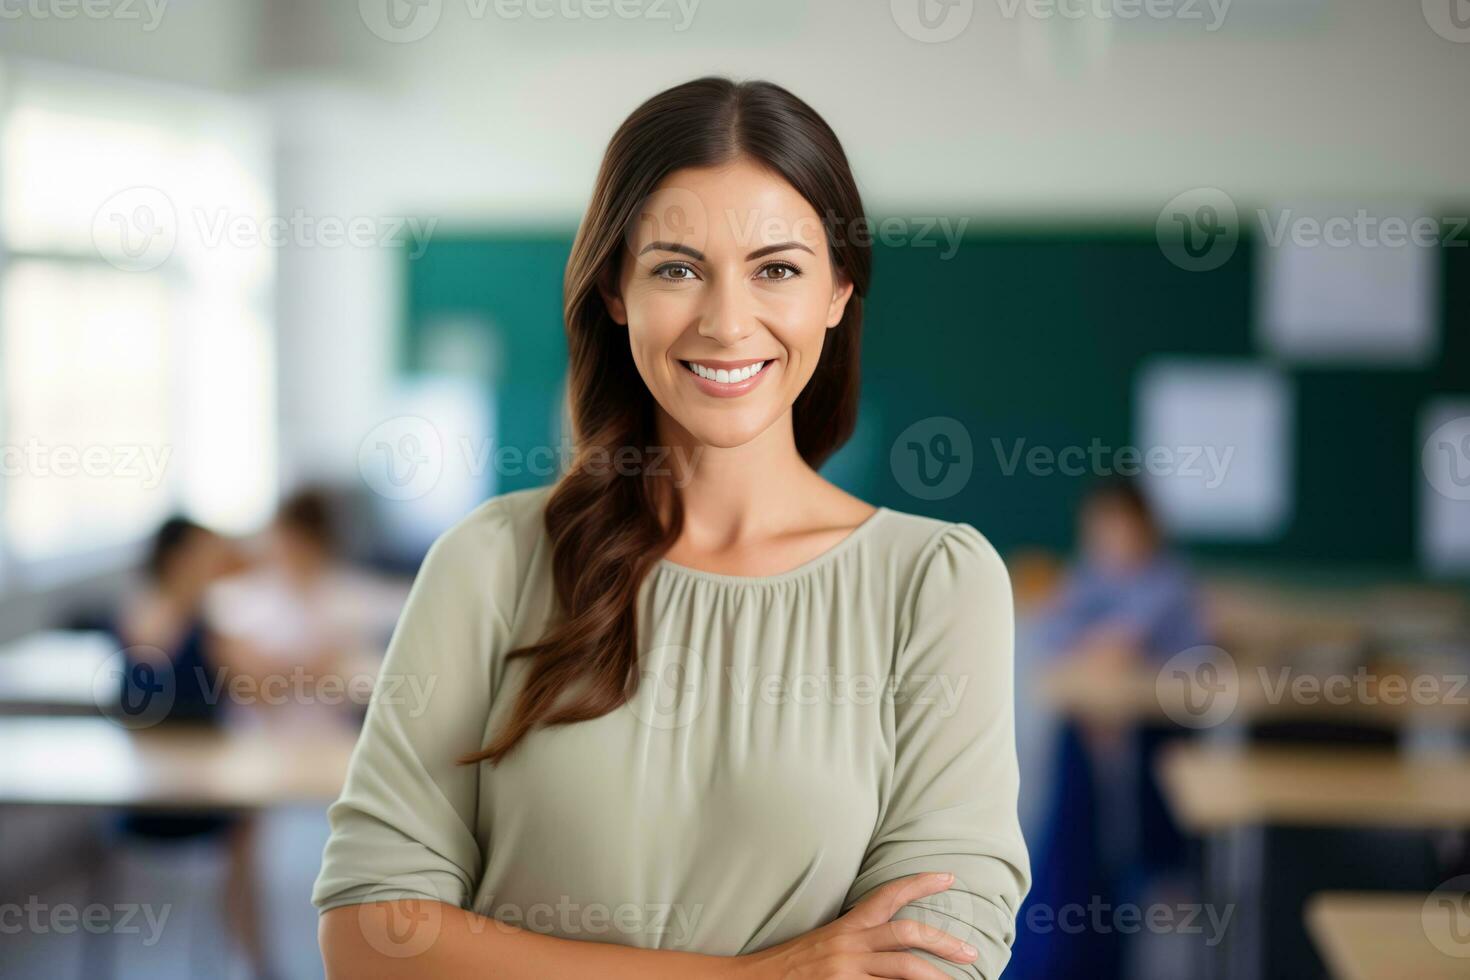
(1137,694)
(94,762)
(1378,936)
(1213,788)
(54,672)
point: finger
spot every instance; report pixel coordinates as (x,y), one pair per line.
(887,899)
(901,966)
(905,934)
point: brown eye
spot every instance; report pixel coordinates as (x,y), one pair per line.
(780,271)
(663,272)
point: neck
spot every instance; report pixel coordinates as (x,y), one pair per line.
(736,494)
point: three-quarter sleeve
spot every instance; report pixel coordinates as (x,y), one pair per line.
(404,825)
(953,797)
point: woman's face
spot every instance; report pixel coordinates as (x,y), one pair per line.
(727,292)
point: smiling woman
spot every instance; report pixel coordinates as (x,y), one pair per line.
(594,742)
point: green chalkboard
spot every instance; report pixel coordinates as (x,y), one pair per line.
(1019,335)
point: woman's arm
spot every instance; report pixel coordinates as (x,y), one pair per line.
(415,939)
(952,806)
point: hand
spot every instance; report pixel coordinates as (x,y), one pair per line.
(866,942)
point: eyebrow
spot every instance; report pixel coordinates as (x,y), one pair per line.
(695,253)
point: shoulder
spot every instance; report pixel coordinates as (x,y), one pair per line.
(484,558)
(507,522)
(928,548)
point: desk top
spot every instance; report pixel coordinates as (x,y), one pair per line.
(1211,788)
(1379,936)
(1147,693)
(55,672)
(94,762)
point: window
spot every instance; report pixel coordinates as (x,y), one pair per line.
(136,352)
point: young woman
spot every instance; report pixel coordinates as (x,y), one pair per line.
(697,713)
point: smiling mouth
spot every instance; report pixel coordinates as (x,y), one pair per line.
(727,379)
(724,372)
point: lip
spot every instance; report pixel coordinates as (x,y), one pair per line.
(718,390)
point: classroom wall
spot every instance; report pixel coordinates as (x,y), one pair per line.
(1035,336)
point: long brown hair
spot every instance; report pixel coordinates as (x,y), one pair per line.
(606,528)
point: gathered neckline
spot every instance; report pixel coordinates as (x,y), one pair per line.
(805,568)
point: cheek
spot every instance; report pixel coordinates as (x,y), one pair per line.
(655,322)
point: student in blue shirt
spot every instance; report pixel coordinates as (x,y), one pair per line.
(1108,836)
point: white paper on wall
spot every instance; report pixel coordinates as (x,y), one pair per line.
(1347,284)
(1217,442)
(1444,485)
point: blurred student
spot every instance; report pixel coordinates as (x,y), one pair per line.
(1129,597)
(1128,601)
(302,623)
(168,648)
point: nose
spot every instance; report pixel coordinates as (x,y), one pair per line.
(726,317)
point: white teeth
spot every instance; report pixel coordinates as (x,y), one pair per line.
(723,376)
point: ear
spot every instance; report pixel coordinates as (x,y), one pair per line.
(612,298)
(841,293)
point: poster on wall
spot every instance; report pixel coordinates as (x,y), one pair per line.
(1215,440)
(1347,285)
(1444,485)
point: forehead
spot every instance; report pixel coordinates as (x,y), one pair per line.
(737,206)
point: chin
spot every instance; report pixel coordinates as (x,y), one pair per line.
(726,433)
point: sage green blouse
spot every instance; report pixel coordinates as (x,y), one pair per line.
(797,740)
